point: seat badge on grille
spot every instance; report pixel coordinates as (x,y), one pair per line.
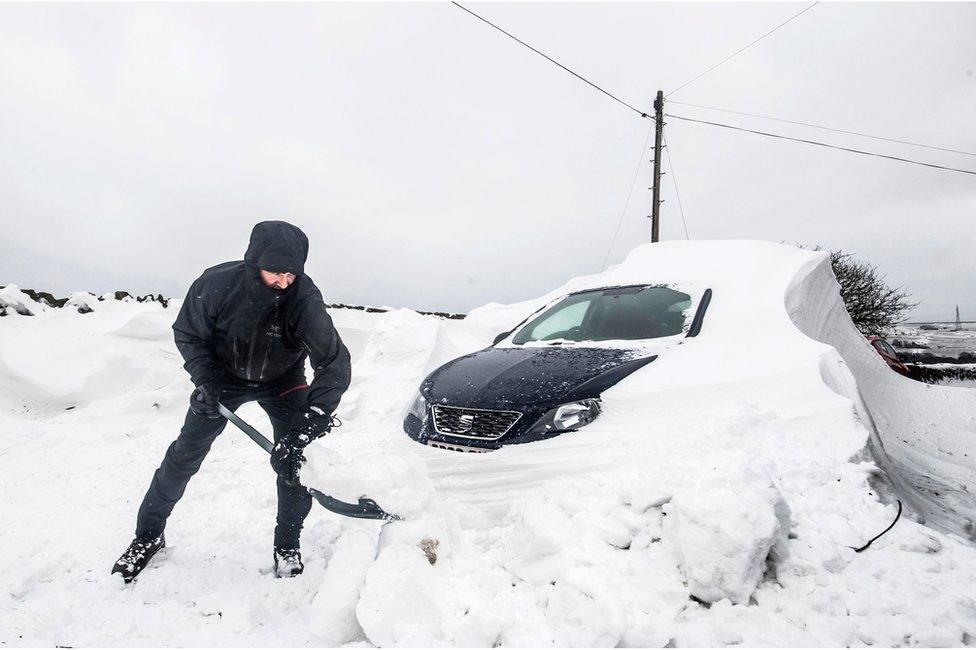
(482,424)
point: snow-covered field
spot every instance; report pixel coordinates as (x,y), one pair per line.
(714,502)
(940,340)
(944,354)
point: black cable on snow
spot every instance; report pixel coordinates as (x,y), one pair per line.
(871,541)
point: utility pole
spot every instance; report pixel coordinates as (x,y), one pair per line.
(658,137)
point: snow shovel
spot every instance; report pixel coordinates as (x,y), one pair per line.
(365,509)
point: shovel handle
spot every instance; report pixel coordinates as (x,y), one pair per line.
(251,432)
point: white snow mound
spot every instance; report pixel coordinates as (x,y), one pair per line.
(14,302)
(724,531)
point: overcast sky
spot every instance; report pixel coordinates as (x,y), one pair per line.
(435,163)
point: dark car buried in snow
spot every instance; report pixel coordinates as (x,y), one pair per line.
(544,377)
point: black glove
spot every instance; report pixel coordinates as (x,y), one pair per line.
(203,400)
(286,456)
(310,423)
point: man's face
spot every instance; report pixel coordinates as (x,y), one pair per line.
(277,280)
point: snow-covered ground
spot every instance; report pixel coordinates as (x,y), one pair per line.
(939,353)
(714,502)
(941,340)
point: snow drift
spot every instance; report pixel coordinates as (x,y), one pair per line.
(923,435)
(714,502)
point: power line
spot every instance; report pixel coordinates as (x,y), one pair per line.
(674,180)
(633,183)
(552,60)
(729,126)
(743,49)
(640,161)
(825,128)
(824,144)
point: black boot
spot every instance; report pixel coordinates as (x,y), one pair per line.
(287,562)
(137,556)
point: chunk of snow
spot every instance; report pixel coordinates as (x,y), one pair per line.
(724,530)
(404,600)
(334,621)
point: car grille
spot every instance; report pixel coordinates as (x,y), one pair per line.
(473,423)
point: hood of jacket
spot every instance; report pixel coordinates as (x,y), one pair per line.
(277,246)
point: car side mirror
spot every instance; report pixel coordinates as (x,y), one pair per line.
(500,337)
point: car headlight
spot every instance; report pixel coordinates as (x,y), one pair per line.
(419,407)
(576,414)
(568,417)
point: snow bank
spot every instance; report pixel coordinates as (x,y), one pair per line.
(923,435)
(150,326)
(13,302)
(714,502)
(90,363)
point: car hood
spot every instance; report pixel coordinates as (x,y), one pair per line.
(512,376)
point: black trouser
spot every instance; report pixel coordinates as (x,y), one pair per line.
(280,400)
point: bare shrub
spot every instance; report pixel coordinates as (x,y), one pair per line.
(874,307)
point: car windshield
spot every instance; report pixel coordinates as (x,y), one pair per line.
(619,313)
(885,347)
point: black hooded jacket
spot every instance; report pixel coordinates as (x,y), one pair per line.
(231,323)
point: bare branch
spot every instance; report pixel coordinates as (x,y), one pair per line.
(874,307)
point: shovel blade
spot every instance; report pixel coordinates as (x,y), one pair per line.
(366,508)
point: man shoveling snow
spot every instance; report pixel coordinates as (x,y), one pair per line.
(245,330)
